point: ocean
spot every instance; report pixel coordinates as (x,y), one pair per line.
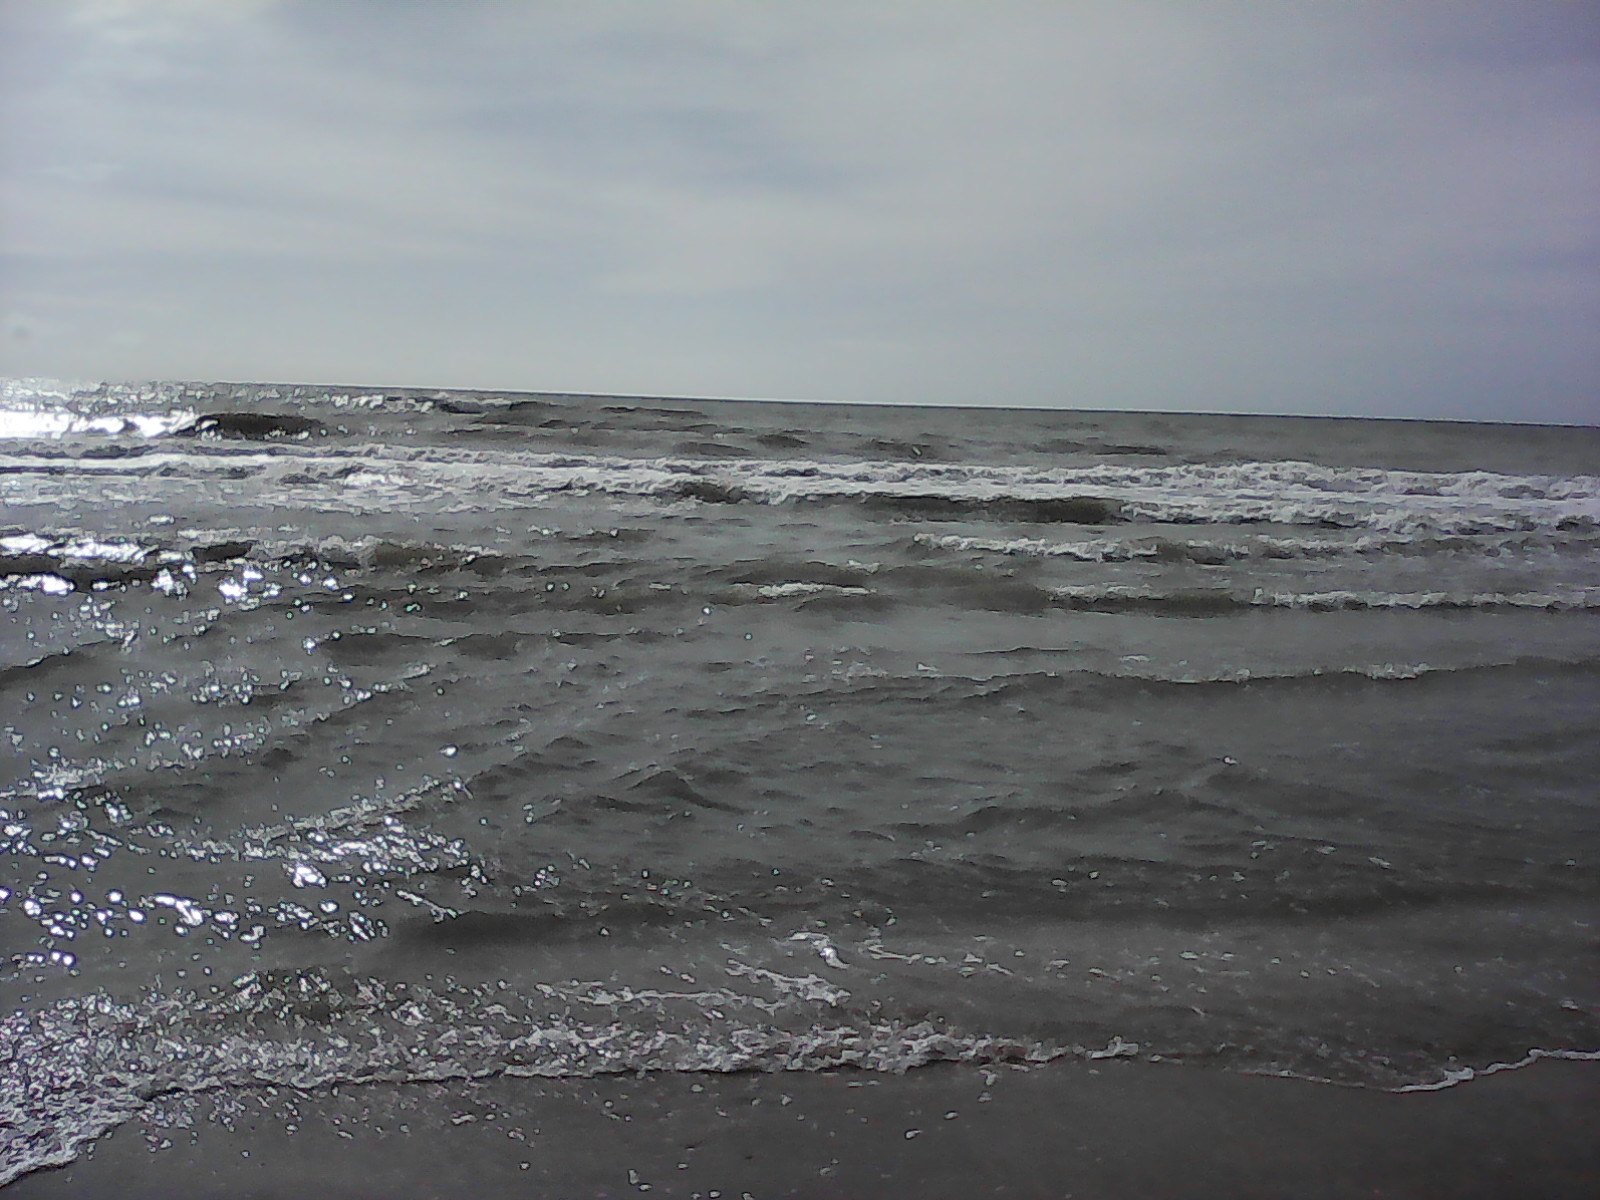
(373,738)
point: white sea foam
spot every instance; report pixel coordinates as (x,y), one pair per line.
(1466,1074)
(1558,601)
(1131,596)
(786,591)
(25,423)
(83,1066)
(1397,503)
(1105,549)
(1080,550)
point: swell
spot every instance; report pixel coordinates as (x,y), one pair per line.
(1213,602)
(252,426)
(86,562)
(1021,863)
(1262,547)
(1281,493)
(522,580)
(1112,689)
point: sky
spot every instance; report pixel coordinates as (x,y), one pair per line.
(1325,207)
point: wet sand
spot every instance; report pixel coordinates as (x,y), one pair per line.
(1109,1129)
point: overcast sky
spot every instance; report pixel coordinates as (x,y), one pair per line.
(1387,208)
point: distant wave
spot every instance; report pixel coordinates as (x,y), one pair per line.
(1216,602)
(1213,552)
(372,477)
(84,562)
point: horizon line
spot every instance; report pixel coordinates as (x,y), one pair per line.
(690,398)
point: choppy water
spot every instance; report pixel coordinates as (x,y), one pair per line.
(419,736)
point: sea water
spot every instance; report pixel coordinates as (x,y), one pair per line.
(357,735)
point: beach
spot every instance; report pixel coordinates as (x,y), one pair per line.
(443,793)
(1116,1129)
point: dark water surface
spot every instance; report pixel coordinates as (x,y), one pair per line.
(414,736)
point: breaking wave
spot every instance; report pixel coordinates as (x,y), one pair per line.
(83,1066)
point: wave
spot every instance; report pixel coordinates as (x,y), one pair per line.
(1031,833)
(46,409)
(83,1066)
(79,1067)
(1259,546)
(35,424)
(85,563)
(932,506)
(1389,671)
(376,476)
(32,562)
(252,426)
(78,561)
(1222,602)
(1466,1074)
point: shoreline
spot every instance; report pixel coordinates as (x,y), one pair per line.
(1068,1128)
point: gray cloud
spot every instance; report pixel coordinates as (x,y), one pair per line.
(1383,208)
